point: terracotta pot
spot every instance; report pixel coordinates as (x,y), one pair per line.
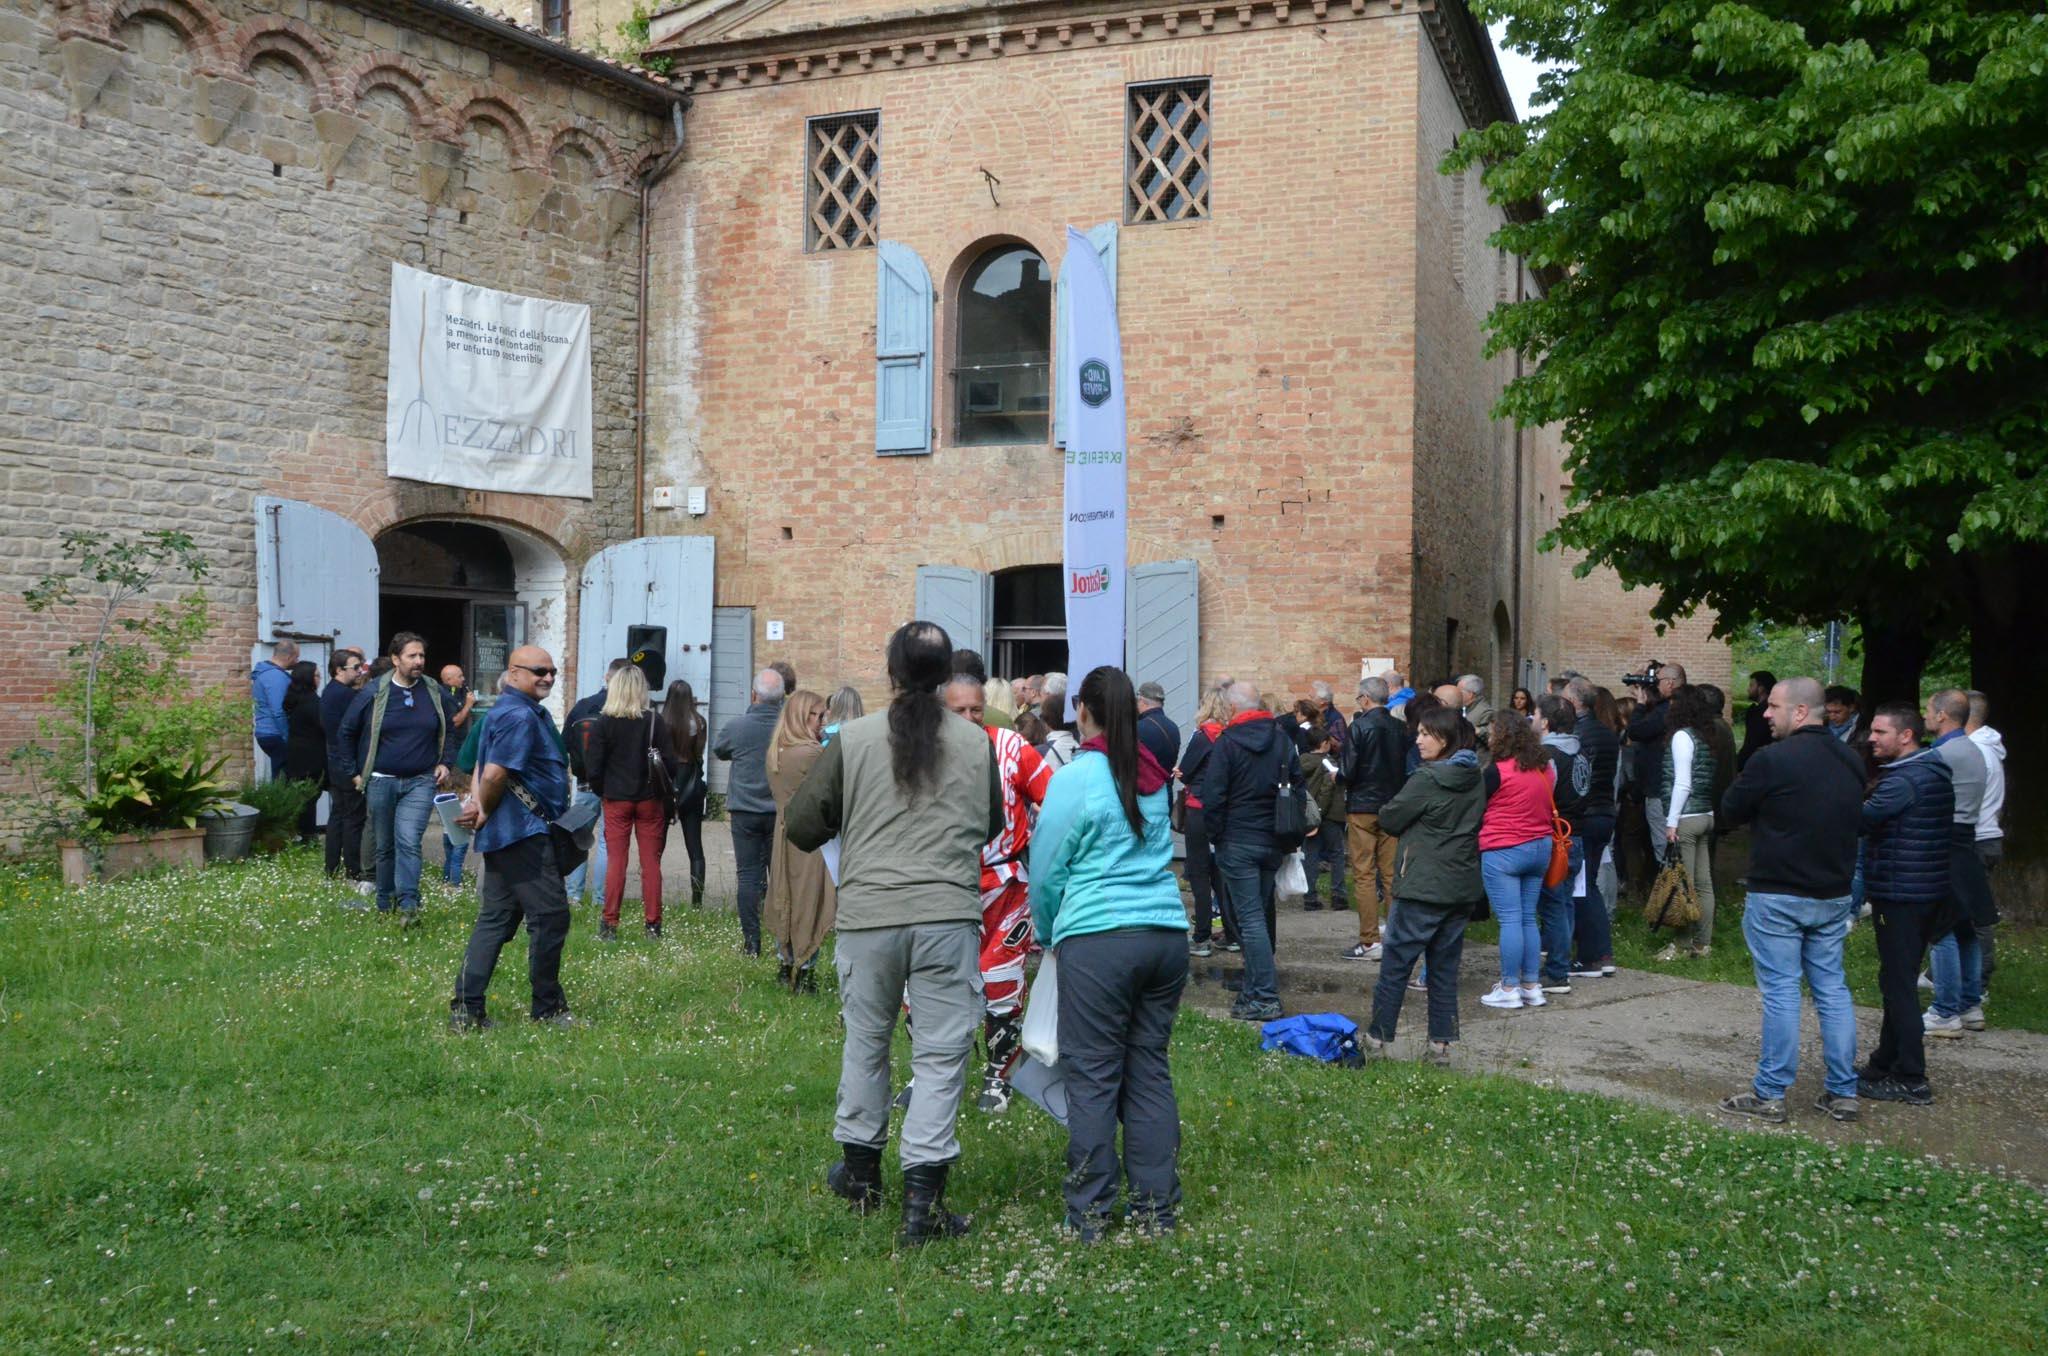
(127,853)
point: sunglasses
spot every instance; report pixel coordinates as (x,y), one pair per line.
(536,672)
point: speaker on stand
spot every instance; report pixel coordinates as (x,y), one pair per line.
(647,647)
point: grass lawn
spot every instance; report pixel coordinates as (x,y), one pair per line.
(231,1121)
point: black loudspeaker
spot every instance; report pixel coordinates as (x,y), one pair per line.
(647,647)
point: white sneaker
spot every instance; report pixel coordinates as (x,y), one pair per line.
(1973,1018)
(1926,982)
(1532,996)
(1374,952)
(1950,1028)
(1502,997)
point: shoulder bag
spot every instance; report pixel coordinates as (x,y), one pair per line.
(658,779)
(571,834)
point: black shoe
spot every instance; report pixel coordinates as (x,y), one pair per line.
(696,894)
(1233,946)
(806,980)
(858,1177)
(902,1100)
(1311,905)
(607,933)
(783,972)
(465,1020)
(1255,1012)
(995,1095)
(1837,1108)
(925,1216)
(562,1021)
(654,932)
(1892,1088)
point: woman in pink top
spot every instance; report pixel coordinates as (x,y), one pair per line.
(1514,852)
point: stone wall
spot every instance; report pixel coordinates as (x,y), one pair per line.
(1269,350)
(198,210)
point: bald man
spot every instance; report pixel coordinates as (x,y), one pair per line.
(749,804)
(522,785)
(1803,795)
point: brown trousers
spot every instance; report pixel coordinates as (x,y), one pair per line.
(1372,871)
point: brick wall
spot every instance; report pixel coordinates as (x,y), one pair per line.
(198,211)
(1269,351)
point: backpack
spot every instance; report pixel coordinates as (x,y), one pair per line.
(1328,1036)
(576,740)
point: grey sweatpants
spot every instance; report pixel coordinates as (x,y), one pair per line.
(936,969)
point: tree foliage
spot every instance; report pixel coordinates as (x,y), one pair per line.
(1797,333)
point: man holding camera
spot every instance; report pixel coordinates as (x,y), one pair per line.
(1641,824)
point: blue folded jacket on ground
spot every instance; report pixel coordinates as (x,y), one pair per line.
(1328,1036)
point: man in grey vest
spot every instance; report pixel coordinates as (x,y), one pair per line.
(1957,960)
(395,747)
(912,794)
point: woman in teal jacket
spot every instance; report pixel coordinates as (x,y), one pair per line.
(1104,896)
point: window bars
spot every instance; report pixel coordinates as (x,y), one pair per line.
(554,18)
(843,155)
(1167,152)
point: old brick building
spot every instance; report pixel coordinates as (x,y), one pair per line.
(202,200)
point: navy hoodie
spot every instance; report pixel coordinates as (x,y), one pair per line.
(1241,781)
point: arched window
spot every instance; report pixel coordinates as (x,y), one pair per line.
(1002,369)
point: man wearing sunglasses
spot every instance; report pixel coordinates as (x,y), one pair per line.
(394,745)
(520,760)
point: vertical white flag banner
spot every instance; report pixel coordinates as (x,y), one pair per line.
(1093,554)
(485,389)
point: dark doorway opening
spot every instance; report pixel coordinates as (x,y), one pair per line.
(1030,623)
(452,584)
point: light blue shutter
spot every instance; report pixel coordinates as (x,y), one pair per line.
(732,680)
(1163,634)
(903,351)
(961,600)
(1103,237)
(316,579)
(651,581)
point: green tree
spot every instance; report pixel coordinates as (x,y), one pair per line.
(1796,327)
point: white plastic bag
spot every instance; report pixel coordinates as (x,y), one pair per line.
(1041,1031)
(1292,880)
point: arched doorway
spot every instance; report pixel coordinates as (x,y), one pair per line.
(474,590)
(1029,630)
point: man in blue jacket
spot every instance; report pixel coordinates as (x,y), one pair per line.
(345,812)
(1253,760)
(1906,819)
(267,682)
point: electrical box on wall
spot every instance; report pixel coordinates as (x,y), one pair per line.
(697,500)
(775,630)
(664,496)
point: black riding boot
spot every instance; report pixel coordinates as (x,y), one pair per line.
(858,1177)
(925,1216)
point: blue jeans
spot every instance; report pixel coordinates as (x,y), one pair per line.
(399,810)
(594,864)
(273,749)
(1247,876)
(1556,919)
(753,854)
(1513,877)
(1958,965)
(1791,936)
(1327,848)
(1594,931)
(452,854)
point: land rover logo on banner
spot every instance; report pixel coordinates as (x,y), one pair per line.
(1094,382)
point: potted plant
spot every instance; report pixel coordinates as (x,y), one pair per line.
(126,762)
(144,814)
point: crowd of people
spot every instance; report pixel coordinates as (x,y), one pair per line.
(950,837)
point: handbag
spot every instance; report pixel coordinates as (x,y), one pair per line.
(1674,902)
(1040,1033)
(571,833)
(657,771)
(1290,821)
(1560,852)
(1177,811)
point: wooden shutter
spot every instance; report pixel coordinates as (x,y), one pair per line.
(903,351)
(1163,634)
(1103,237)
(961,600)
(732,680)
(657,581)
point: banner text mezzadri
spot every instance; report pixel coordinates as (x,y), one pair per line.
(494,435)
(1093,458)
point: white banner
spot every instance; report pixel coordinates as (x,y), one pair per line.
(486,389)
(1096,501)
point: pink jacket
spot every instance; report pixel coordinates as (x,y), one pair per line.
(1520,811)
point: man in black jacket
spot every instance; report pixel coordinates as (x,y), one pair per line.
(590,873)
(345,674)
(1254,758)
(1592,916)
(1802,795)
(1756,725)
(1375,764)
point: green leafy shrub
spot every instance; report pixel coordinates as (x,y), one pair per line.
(141,794)
(278,804)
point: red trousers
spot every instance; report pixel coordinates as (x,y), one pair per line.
(647,821)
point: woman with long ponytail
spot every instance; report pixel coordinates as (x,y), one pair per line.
(1103,896)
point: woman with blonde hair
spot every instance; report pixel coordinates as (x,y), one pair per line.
(801,901)
(997,696)
(631,767)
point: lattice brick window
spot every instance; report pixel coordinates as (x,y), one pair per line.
(842,181)
(1167,152)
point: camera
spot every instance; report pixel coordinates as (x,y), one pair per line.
(1647,678)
